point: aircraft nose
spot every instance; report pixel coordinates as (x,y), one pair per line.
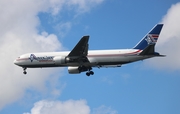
(15,62)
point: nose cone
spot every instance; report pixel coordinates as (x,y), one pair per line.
(16,62)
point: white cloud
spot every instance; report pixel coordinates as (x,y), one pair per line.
(63,28)
(168,42)
(83,5)
(19,34)
(104,110)
(58,107)
(68,107)
(56,6)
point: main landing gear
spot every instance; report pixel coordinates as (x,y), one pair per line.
(89,73)
(86,68)
(24,70)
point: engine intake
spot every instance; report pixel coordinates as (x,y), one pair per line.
(77,69)
(74,70)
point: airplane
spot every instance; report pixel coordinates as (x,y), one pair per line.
(80,59)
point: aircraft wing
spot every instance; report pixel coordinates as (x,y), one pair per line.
(80,51)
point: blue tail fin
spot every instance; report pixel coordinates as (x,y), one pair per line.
(150,38)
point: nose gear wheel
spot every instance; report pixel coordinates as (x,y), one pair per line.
(24,70)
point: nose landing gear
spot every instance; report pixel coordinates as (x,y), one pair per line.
(24,70)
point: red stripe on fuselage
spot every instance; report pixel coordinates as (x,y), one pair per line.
(22,59)
(109,55)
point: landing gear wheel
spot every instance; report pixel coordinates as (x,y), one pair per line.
(88,74)
(91,72)
(24,70)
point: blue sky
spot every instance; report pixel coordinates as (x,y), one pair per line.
(147,87)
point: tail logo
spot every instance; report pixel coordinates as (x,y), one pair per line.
(151,38)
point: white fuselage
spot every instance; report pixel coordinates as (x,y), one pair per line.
(81,59)
(97,58)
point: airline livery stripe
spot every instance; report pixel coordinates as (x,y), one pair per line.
(109,55)
(22,59)
(155,36)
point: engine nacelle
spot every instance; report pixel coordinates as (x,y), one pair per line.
(58,60)
(74,70)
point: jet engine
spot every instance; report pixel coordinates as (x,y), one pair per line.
(74,70)
(77,69)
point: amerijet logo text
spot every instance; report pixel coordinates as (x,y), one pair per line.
(41,59)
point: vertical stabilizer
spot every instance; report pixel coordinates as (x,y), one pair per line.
(149,40)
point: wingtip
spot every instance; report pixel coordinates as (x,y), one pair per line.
(86,36)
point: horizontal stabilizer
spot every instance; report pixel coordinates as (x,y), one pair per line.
(149,50)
